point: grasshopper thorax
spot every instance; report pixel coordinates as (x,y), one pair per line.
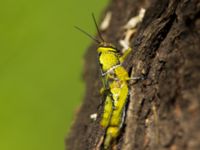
(108,57)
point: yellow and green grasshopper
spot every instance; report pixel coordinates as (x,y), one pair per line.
(114,79)
(115,76)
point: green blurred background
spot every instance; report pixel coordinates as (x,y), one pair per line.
(41,57)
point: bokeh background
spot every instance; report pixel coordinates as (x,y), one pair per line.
(41,60)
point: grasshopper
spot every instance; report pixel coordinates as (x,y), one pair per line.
(114,78)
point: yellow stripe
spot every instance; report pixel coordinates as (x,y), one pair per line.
(105,49)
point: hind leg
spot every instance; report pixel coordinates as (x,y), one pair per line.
(108,109)
(111,133)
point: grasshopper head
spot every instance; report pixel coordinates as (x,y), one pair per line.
(106,47)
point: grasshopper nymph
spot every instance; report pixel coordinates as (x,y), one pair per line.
(115,83)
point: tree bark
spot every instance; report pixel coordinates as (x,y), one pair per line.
(164,107)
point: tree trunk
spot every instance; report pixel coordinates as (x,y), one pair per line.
(164,107)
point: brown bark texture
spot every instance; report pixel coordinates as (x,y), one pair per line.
(163,111)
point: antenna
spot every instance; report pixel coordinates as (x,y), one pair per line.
(95,22)
(90,36)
